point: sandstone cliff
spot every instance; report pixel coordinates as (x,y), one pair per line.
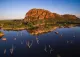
(36,14)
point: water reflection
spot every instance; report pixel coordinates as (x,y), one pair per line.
(71,41)
(17,33)
(4,51)
(45,49)
(74,36)
(29,44)
(37,40)
(49,46)
(12,49)
(48,49)
(51,49)
(22,42)
(67,41)
(14,38)
(49,43)
(21,33)
(61,35)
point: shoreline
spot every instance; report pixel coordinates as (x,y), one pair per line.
(1,34)
(37,31)
(32,32)
(13,28)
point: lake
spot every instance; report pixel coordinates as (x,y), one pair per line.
(22,44)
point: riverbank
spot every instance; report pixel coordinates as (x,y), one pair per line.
(35,27)
(1,34)
(13,29)
(40,29)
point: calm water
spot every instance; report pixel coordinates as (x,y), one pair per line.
(22,44)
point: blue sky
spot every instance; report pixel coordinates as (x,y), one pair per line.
(16,9)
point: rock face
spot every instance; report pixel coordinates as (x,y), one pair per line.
(35,14)
(68,16)
(57,16)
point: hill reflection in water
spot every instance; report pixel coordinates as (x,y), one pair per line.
(65,43)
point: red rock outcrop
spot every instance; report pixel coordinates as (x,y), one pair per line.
(35,14)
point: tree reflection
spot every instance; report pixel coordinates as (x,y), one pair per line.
(29,44)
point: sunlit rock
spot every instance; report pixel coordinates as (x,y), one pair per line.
(1,34)
(36,14)
(56,32)
(4,39)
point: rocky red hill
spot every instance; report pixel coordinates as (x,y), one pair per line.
(36,14)
(68,16)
